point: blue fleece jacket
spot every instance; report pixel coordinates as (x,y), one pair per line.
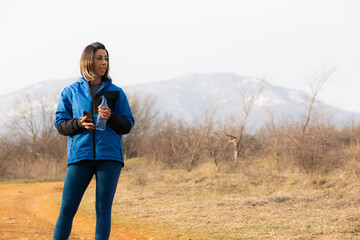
(86,144)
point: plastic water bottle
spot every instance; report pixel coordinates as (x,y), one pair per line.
(101,122)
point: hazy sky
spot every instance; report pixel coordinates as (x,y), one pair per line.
(284,41)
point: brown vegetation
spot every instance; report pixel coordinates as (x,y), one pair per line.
(258,203)
(213,178)
(33,148)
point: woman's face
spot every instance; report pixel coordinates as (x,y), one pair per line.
(101,62)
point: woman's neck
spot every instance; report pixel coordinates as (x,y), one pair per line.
(97,80)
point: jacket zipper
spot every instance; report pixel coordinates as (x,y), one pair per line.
(93,131)
(92,103)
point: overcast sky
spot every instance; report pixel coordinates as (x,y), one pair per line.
(284,41)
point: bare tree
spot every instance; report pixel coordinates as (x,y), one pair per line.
(39,150)
(144,112)
(276,136)
(312,144)
(215,143)
(162,145)
(248,101)
(7,148)
(191,138)
(316,84)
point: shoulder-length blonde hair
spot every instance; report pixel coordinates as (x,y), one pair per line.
(87,62)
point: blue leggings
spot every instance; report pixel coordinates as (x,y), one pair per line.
(77,179)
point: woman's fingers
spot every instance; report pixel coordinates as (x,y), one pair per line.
(87,125)
(105,112)
(83,119)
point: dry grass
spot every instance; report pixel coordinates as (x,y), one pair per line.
(257,203)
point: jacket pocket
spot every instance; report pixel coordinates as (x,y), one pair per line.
(120,146)
(70,145)
(108,145)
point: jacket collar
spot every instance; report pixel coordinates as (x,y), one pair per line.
(82,80)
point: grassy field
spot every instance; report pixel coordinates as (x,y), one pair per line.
(256,203)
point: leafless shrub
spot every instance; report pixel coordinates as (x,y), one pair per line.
(144,112)
(215,144)
(191,138)
(175,143)
(139,176)
(226,139)
(350,140)
(318,151)
(38,149)
(312,144)
(7,149)
(248,101)
(219,148)
(162,146)
(246,146)
(178,144)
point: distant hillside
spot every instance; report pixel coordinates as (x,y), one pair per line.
(188,96)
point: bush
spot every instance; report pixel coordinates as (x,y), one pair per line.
(316,151)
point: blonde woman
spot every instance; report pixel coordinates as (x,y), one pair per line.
(91,151)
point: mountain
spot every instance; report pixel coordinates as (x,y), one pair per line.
(188,96)
(19,101)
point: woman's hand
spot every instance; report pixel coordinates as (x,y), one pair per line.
(87,125)
(105,112)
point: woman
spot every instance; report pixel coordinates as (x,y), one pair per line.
(90,151)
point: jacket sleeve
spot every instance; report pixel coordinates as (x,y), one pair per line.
(122,120)
(64,121)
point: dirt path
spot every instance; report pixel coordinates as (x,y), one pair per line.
(29,211)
